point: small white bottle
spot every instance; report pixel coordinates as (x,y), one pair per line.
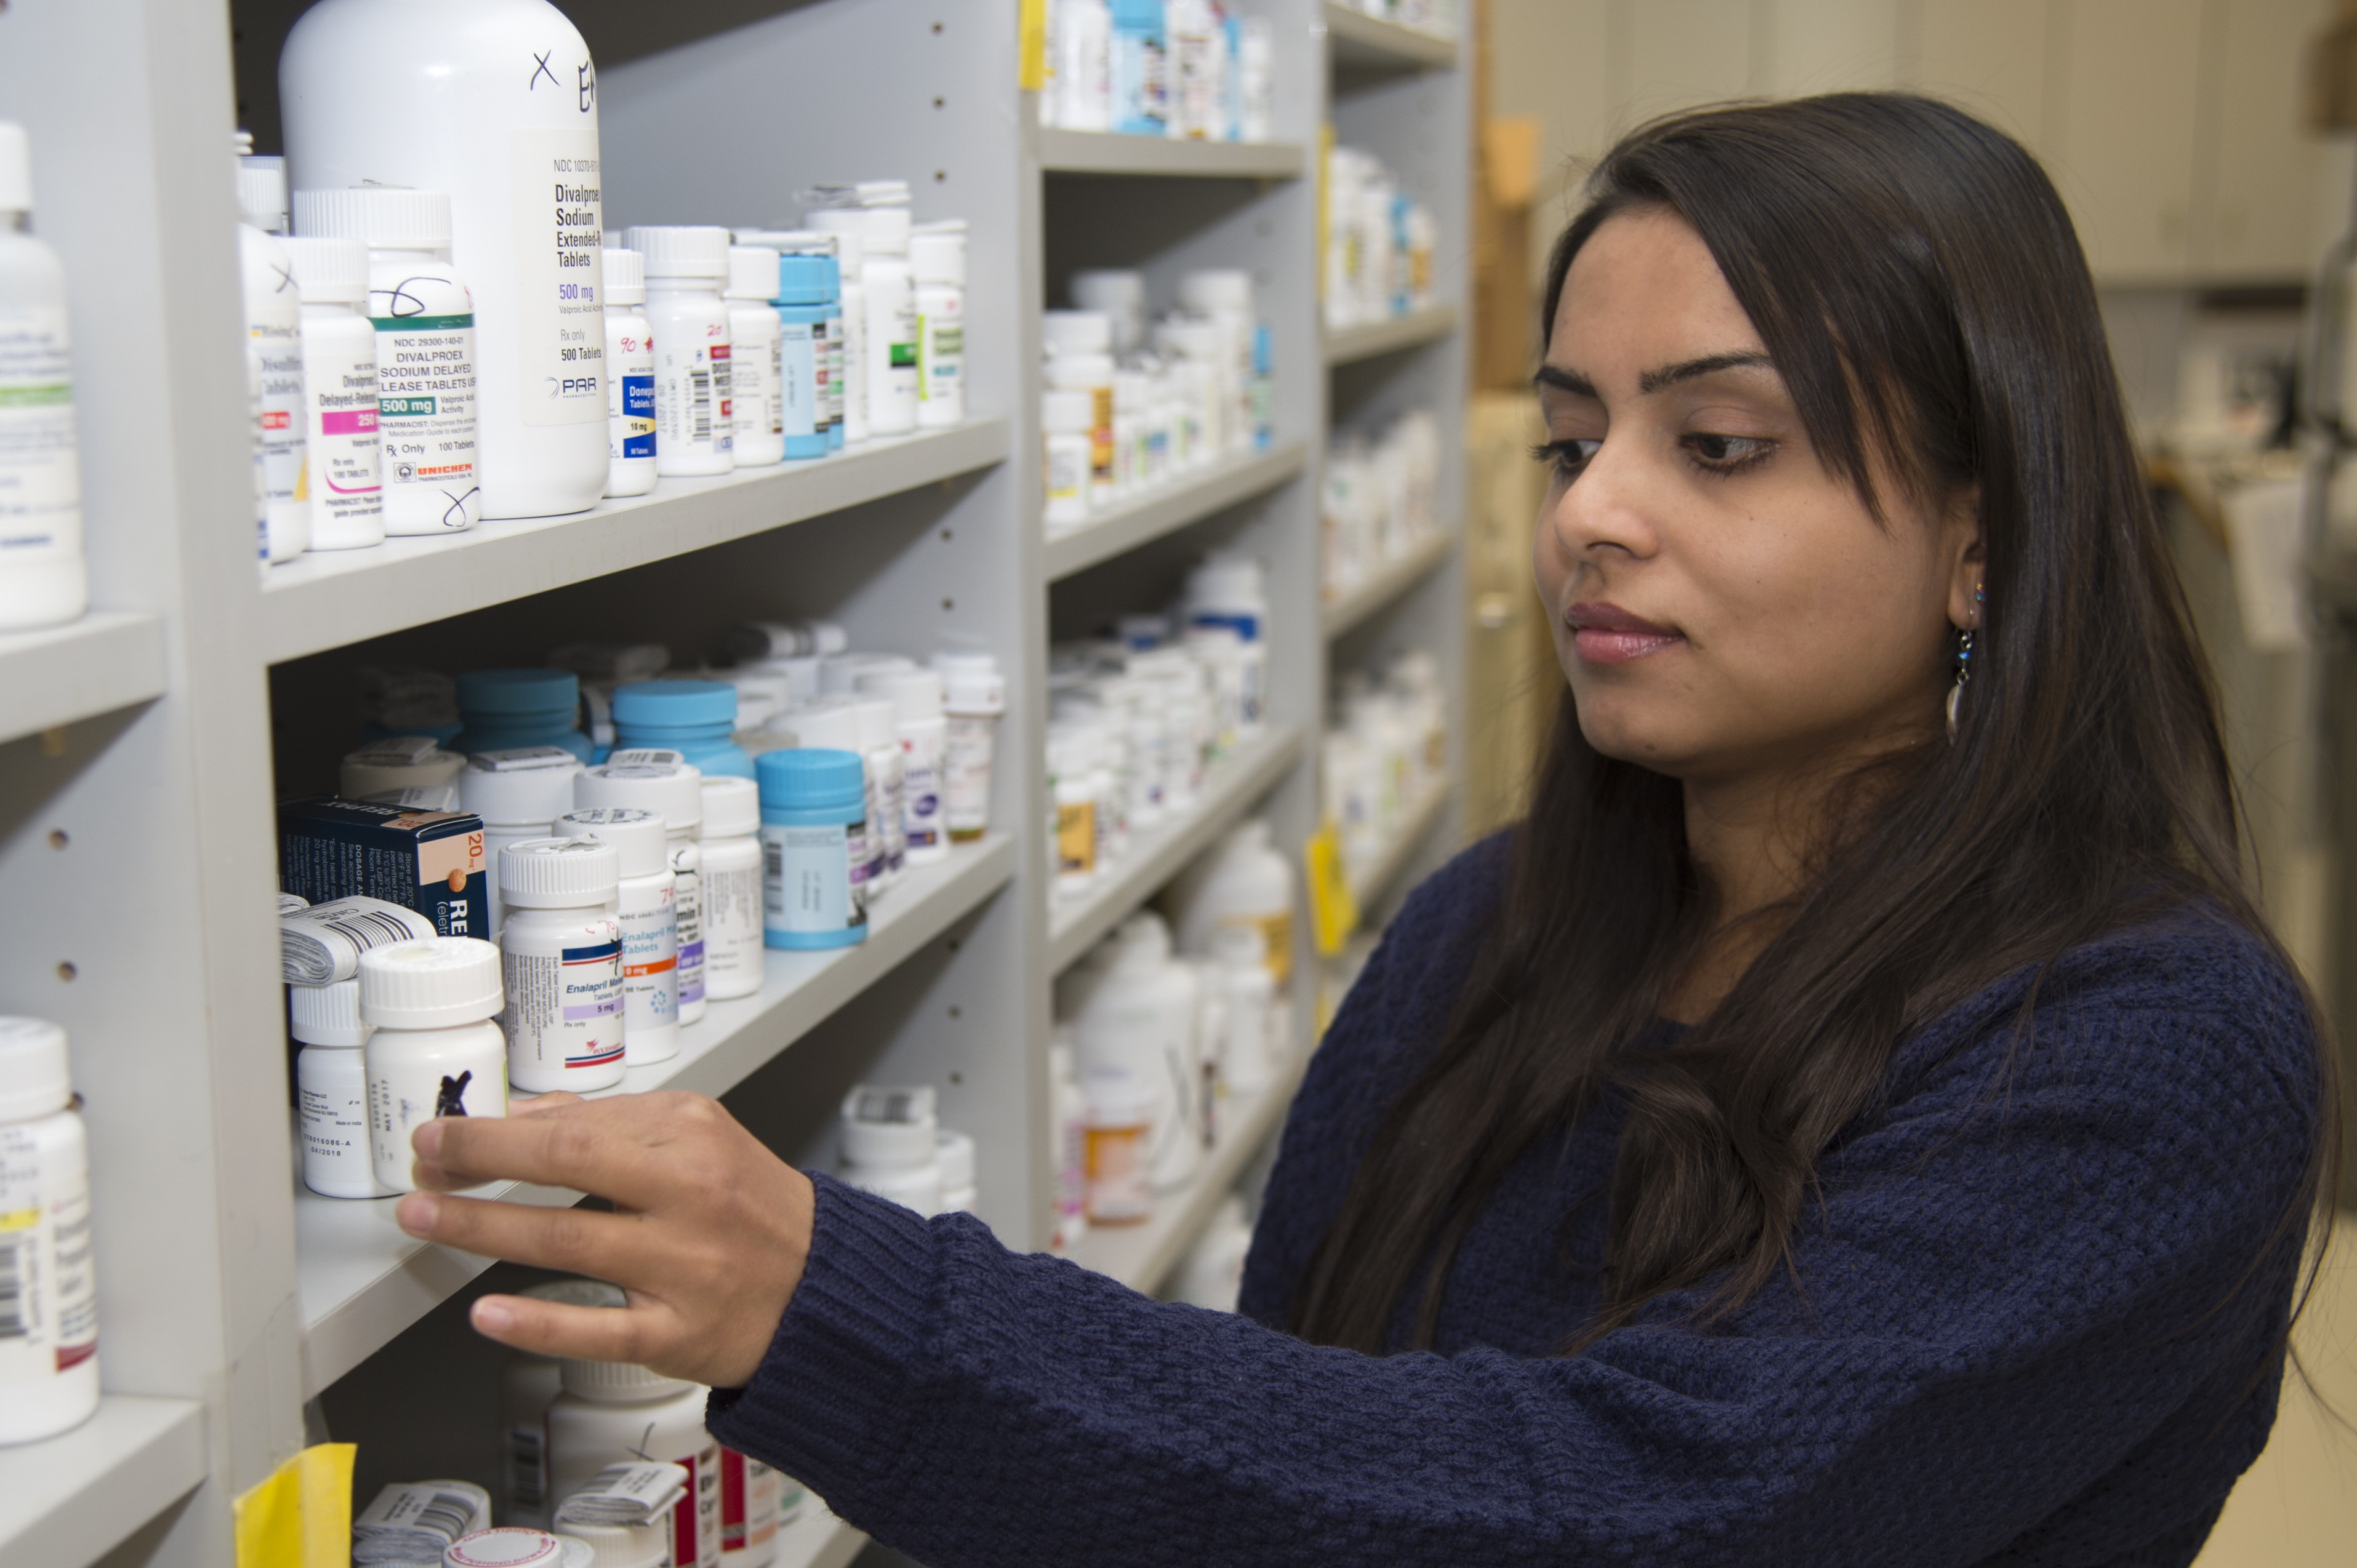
(850,256)
(527,1384)
(890,1146)
(274,330)
(519,794)
(674,791)
(331,1090)
(937,263)
(695,414)
(44,582)
(432,1050)
(730,839)
(48,1367)
(630,377)
(646,901)
(953,1153)
(923,734)
(424,320)
(891,340)
(343,452)
(755,376)
(610,1412)
(887,762)
(561,964)
(1069,417)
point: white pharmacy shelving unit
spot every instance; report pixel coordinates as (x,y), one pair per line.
(144,746)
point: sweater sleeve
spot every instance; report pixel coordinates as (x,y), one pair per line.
(2003,1301)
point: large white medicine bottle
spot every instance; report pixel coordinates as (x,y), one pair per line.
(496,102)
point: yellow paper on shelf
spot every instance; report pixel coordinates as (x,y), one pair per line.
(302,1516)
(1032,45)
(1333,912)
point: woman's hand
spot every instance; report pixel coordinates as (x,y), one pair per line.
(707,1236)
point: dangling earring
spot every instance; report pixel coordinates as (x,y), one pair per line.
(1963,666)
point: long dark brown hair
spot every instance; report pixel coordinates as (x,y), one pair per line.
(1919,288)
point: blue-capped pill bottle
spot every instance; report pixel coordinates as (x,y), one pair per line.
(803,312)
(694,719)
(508,710)
(813,803)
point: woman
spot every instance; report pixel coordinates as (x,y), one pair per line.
(1858,1118)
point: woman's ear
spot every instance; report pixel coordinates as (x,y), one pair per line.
(1967,555)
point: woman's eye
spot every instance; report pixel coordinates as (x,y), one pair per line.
(1568,457)
(1726,453)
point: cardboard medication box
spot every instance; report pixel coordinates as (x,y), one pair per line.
(431,861)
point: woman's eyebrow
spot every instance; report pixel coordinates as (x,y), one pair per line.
(1653,381)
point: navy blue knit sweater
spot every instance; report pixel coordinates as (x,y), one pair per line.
(2001,1348)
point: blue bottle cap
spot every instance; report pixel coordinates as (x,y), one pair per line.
(802,280)
(833,277)
(666,703)
(518,692)
(812,778)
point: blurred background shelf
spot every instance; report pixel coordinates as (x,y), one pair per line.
(106,660)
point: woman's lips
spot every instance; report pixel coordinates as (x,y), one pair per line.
(1607,634)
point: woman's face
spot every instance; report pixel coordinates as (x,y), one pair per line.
(1722,605)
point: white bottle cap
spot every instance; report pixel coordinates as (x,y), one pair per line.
(328,1014)
(16,168)
(889,1129)
(1216,288)
(626,277)
(914,693)
(520,787)
(432,983)
(397,762)
(261,192)
(829,723)
(637,834)
(674,791)
(617,1382)
(1067,413)
(878,722)
(558,873)
(508,1546)
(330,271)
(1111,290)
(954,1152)
(621,1545)
(732,807)
(681,251)
(33,1078)
(752,273)
(389,217)
(938,258)
(1076,331)
(1080,373)
(971,682)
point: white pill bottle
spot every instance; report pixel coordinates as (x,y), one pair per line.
(433,1050)
(45,582)
(331,1090)
(48,1365)
(647,903)
(561,960)
(730,840)
(610,1413)
(496,102)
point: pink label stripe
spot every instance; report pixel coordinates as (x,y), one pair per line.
(348,422)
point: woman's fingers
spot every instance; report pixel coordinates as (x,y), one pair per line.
(578,1240)
(639,1333)
(587,1145)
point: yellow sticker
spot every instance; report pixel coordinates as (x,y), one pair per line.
(301,1517)
(1333,912)
(19,1218)
(1032,45)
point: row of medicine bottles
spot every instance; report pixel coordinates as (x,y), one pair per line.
(721,350)
(1186,69)
(1131,406)
(1161,1023)
(1139,718)
(523,368)
(1379,243)
(1379,501)
(1384,754)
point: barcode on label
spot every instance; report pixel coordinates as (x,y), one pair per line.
(12,1288)
(368,928)
(699,383)
(448,1515)
(523,1468)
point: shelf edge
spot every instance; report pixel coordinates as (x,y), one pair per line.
(93,1486)
(1336,616)
(1350,345)
(1168,509)
(106,660)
